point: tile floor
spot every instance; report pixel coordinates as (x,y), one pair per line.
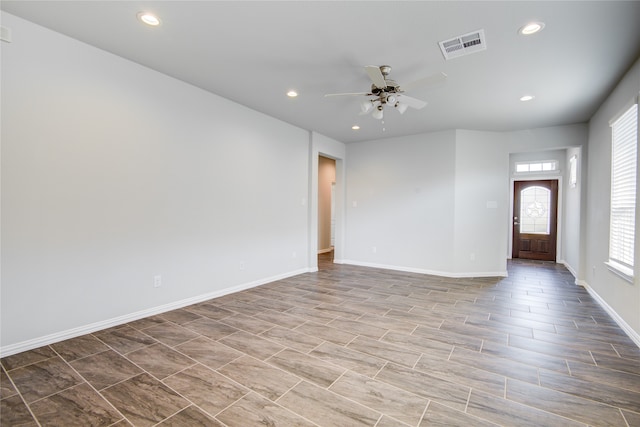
(347,346)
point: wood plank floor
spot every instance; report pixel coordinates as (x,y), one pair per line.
(347,346)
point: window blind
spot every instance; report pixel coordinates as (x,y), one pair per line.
(623,190)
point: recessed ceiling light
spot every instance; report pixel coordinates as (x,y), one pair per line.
(355,127)
(531,28)
(149,19)
(526,98)
(292,94)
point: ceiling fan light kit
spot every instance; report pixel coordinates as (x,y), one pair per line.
(385,91)
(402,108)
(366,106)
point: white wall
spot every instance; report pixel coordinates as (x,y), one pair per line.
(113,173)
(400,201)
(481,204)
(620,296)
(574,214)
(439,203)
(550,138)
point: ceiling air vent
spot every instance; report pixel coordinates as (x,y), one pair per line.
(465,44)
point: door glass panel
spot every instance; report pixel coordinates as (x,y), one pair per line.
(535,203)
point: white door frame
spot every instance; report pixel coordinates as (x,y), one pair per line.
(559,219)
(323,146)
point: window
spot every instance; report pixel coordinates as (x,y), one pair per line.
(535,203)
(573,171)
(544,166)
(624,138)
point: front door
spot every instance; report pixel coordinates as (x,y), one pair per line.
(535,213)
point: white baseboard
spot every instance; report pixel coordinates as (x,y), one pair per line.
(570,268)
(635,336)
(97,326)
(583,284)
(423,271)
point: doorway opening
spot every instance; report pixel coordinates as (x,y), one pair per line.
(326,210)
(535,219)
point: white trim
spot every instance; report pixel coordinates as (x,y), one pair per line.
(620,270)
(104,324)
(319,145)
(635,336)
(559,214)
(555,171)
(423,271)
(571,270)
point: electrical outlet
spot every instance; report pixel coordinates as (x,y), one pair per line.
(294,254)
(157,281)
(374,249)
(242,266)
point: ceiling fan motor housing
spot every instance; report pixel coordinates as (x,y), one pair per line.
(391,87)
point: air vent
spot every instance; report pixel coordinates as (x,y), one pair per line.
(465,44)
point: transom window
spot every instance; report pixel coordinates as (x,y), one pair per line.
(532,167)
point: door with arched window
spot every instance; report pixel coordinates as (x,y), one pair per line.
(535,217)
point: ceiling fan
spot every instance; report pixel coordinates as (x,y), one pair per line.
(386,92)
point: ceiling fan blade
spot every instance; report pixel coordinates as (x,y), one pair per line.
(349,94)
(376,76)
(411,102)
(425,81)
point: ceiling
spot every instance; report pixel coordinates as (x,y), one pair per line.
(254,52)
